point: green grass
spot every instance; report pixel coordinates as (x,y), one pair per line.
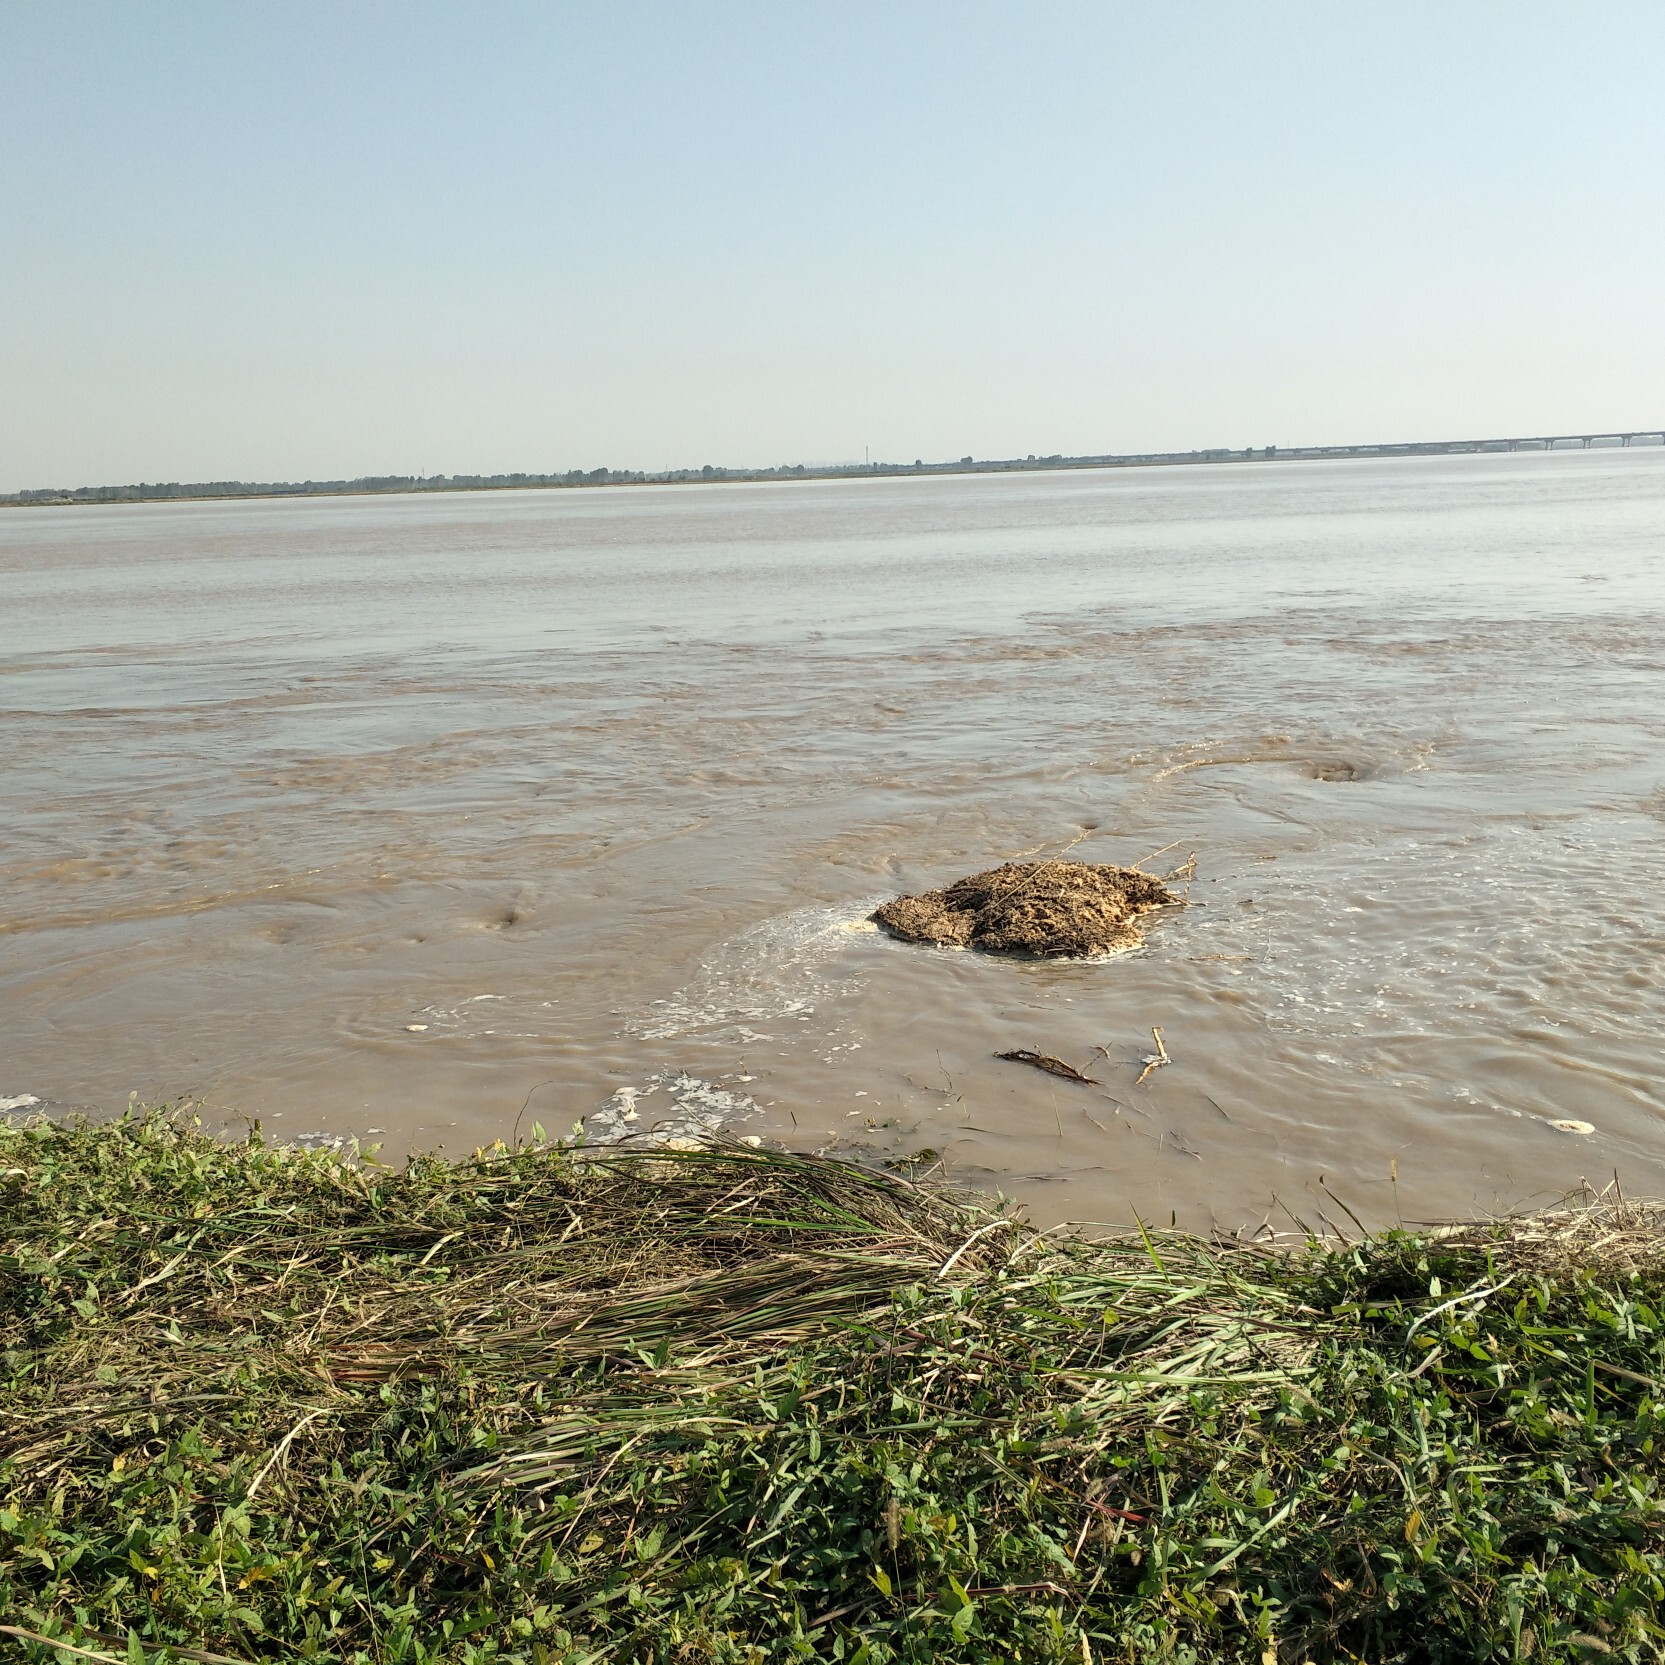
(734,1405)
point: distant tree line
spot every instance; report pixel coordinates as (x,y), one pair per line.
(151,490)
(147,491)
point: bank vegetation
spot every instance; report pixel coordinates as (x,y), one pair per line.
(260,1403)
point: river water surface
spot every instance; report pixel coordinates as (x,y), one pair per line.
(421,819)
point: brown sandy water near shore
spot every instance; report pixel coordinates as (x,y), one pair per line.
(414,820)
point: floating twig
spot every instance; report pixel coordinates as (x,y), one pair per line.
(1139,865)
(1154,1060)
(1044,1061)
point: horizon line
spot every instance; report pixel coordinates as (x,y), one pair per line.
(710,473)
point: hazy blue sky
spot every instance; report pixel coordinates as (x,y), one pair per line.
(287,240)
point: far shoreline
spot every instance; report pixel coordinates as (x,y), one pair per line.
(402,485)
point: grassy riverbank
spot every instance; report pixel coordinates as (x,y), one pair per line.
(261,1404)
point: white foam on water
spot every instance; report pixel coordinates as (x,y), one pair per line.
(778,970)
(1511,917)
(695,1111)
(1522,938)
(499,1016)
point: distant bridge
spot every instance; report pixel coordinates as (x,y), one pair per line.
(1617,439)
(1457,447)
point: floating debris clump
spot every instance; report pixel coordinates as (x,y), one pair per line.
(1039,908)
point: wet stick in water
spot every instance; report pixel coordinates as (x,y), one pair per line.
(1155,1060)
(1045,1061)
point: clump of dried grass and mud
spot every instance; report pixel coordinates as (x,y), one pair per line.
(1036,908)
(546,1405)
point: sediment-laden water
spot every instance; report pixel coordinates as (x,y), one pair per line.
(424,819)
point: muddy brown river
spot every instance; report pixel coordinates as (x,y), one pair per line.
(427,819)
